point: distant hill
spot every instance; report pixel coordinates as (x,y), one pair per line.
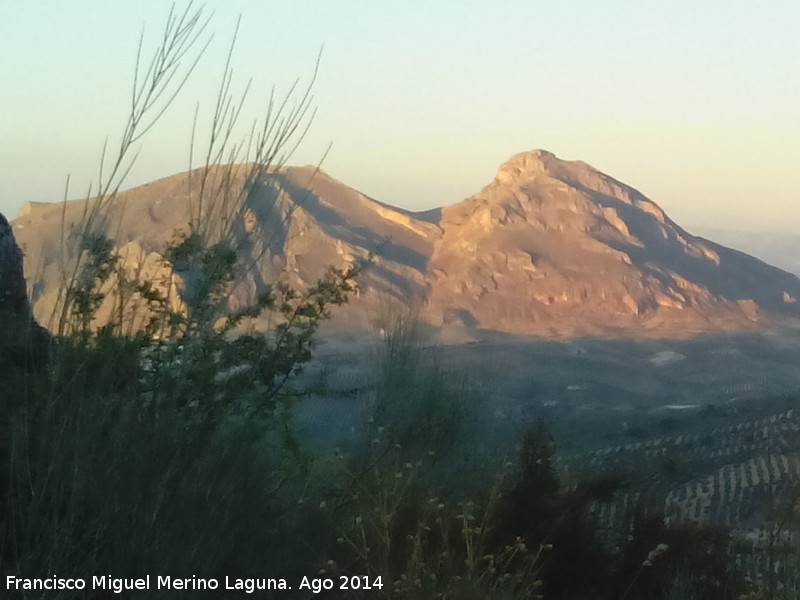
(550,247)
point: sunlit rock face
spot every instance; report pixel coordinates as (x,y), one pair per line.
(550,247)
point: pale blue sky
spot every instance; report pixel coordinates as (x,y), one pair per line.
(694,103)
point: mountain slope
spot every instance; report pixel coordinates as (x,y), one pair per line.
(781,249)
(550,247)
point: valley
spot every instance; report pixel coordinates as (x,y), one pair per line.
(704,430)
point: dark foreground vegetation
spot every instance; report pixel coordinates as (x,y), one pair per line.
(166,449)
(114,465)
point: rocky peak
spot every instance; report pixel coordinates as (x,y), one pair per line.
(527,166)
(540,166)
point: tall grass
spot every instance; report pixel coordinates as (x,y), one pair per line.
(145,450)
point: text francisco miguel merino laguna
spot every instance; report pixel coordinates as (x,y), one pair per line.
(119,584)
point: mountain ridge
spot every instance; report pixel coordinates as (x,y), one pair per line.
(549,247)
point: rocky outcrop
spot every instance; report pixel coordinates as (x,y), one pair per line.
(21,338)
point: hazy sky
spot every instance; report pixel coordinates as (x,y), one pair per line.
(695,103)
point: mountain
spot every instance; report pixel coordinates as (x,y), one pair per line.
(292,226)
(554,246)
(550,247)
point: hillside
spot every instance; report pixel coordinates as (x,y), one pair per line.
(781,249)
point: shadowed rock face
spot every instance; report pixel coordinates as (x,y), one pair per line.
(21,337)
(550,247)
